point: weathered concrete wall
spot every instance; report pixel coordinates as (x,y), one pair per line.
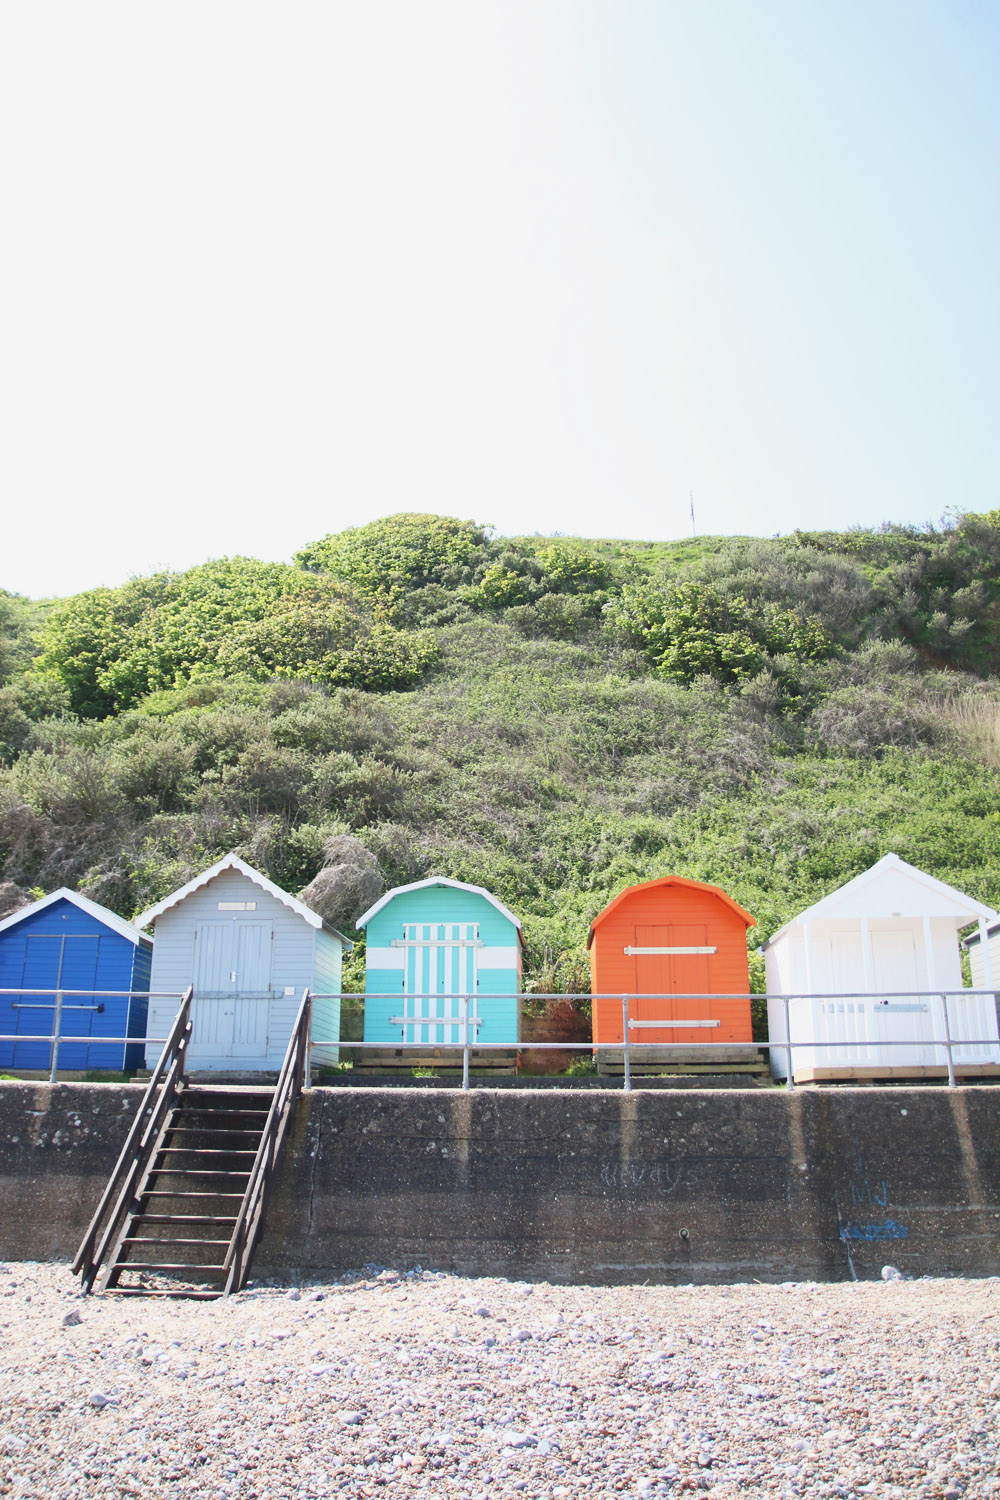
(570,1186)
(58,1147)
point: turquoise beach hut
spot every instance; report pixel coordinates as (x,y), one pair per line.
(429,945)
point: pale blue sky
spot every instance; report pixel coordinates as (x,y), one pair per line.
(273,270)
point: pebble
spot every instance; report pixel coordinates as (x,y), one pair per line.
(383,1382)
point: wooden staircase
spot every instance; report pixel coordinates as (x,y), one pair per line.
(181,1222)
(183,1210)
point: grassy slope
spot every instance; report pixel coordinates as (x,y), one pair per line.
(553,772)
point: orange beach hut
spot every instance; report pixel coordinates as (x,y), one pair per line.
(671,937)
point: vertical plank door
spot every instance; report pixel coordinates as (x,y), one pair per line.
(441,963)
(669,972)
(232,977)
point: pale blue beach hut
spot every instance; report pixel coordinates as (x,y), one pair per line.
(433,948)
(250,951)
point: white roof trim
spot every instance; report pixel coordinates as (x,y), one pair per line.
(421,885)
(887,862)
(99,913)
(233,862)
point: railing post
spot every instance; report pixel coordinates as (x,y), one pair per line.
(947,1042)
(790,1083)
(305,1045)
(627,1042)
(56,1029)
(464,1013)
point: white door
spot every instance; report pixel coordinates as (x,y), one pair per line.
(904,1014)
(847,1017)
(440,966)
(232,978)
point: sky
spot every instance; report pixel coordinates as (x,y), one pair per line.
(269,271)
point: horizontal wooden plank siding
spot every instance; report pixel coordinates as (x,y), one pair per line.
(690,940)
(327,969)
(431,914)
(95,957)
(291,971)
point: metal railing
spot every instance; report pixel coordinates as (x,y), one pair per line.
(947,1043)
(57,1037)
(140,1143)
(293,1077)
(464,1024)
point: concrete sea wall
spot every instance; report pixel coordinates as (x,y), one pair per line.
(664,1186)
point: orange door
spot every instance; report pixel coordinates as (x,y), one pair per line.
(673,960)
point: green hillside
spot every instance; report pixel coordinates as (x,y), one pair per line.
(549,717)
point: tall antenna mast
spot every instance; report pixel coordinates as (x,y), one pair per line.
(694,531)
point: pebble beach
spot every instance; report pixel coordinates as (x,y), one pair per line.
(419,1382)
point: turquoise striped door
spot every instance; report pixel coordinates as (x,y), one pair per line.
(440,965)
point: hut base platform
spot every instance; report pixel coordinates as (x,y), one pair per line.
(692,1061)
(861,1074)
(377,1062)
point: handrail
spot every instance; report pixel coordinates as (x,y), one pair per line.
(293,1075)
(167,1077)
(945,1040)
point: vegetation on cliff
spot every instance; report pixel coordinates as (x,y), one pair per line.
(546,716)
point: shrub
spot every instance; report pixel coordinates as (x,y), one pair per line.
(112,647)
(396,555)
(690,629)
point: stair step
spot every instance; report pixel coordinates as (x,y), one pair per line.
(198,1172)
(166,1193)
(201,1151)
(161,1266)
(165,1239)
(144,1291)
(189,1218)
(211,1119)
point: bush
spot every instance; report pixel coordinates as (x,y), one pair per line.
(110,648)
(399,554)
(692,629)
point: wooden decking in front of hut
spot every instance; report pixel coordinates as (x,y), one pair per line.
(445,1062)
(706,1062)
(914,1073)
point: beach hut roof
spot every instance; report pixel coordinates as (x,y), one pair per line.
(99,913)
(853,898)
(668,880)
(233,862)
(455,885)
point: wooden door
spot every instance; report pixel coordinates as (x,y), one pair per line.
(903,1015)
(232,990)
(848,1014)
(673,960)
(252,1001)
(440,964)
(51,963)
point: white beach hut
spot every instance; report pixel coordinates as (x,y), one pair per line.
(250,950)
(866,970)
(984,957)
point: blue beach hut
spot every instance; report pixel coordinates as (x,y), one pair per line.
(429,944)
(67,942)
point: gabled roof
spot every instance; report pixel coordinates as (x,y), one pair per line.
(455,885)
(99,913)
(666,880)
(957,905)
(233,862)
